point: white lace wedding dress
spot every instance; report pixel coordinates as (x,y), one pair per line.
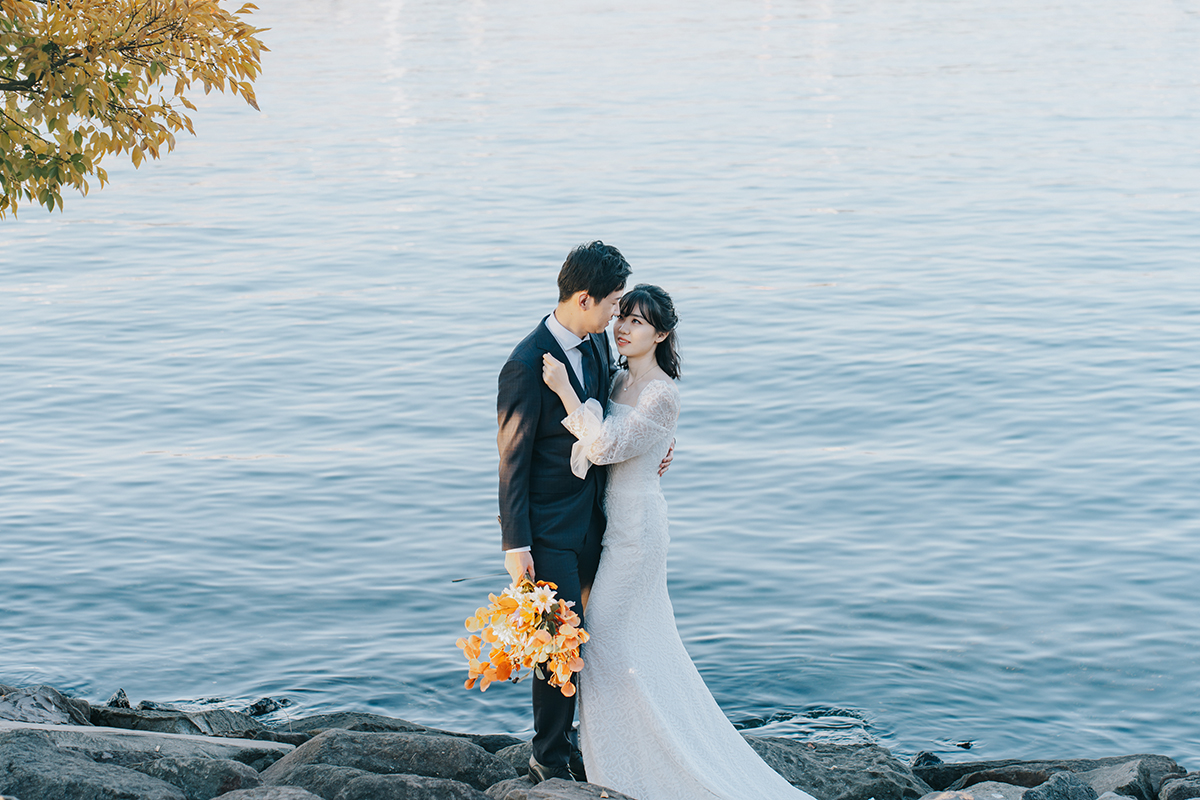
(648,726)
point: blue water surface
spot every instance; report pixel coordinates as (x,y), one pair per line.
(936,266)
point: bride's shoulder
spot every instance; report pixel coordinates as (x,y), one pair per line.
(664,385)
(660,377)
(661,393)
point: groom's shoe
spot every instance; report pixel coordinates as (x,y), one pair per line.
(540,772)
(575,767)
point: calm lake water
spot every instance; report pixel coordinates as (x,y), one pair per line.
(936,263)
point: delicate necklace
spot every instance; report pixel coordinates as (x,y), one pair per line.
(634,381)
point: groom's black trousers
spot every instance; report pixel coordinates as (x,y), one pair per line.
(553,713)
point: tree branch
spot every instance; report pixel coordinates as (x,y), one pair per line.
(18,86)
(25,128)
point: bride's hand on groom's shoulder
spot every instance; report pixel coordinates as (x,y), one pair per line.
(554,373)
(666,462)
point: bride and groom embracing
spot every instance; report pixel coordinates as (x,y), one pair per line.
(583,442)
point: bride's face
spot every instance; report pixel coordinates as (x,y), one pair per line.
(635,336)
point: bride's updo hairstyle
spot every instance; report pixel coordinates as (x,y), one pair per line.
(656,308)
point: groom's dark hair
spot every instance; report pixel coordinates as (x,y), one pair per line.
(596,268)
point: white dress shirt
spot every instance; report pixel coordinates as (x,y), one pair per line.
(569,342)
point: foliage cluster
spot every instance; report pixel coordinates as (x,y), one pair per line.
(83,79)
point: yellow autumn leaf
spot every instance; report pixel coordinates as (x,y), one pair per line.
(90,78)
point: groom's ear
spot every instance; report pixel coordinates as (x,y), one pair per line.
(583,300)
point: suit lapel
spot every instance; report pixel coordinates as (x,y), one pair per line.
(549,344)
(603,367)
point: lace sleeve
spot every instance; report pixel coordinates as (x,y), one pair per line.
(620,438)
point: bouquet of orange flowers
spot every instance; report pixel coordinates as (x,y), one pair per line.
(527,627)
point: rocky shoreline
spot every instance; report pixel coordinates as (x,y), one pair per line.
(54,747)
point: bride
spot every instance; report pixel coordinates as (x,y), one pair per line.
(648,726)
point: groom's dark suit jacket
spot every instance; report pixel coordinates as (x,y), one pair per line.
(541,500)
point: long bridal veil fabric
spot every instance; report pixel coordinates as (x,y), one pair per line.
(648,726)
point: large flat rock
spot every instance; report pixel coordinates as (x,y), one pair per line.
(213,722)
(32,767)
(126,747)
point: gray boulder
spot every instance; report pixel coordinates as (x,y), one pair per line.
(492,742)
(375,723)
(323,780)
(1150,770)
(133,719)
(1061,786)
(331,782)
(150,705)
(267,705)
(517,756)
(354,721)
(511,789)
(214,722)
(406,787)
(395,753)
(202,778)
(45,705)
(290,737)
(553,789)
(270,793)
(1141,777)
(992,790)
(1181,787)
(1015,774)
(840,772)
(987,790)
(118,700)
(1136,777)
(126,748)
(32,768)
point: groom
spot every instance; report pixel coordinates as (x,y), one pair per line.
(552,522)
